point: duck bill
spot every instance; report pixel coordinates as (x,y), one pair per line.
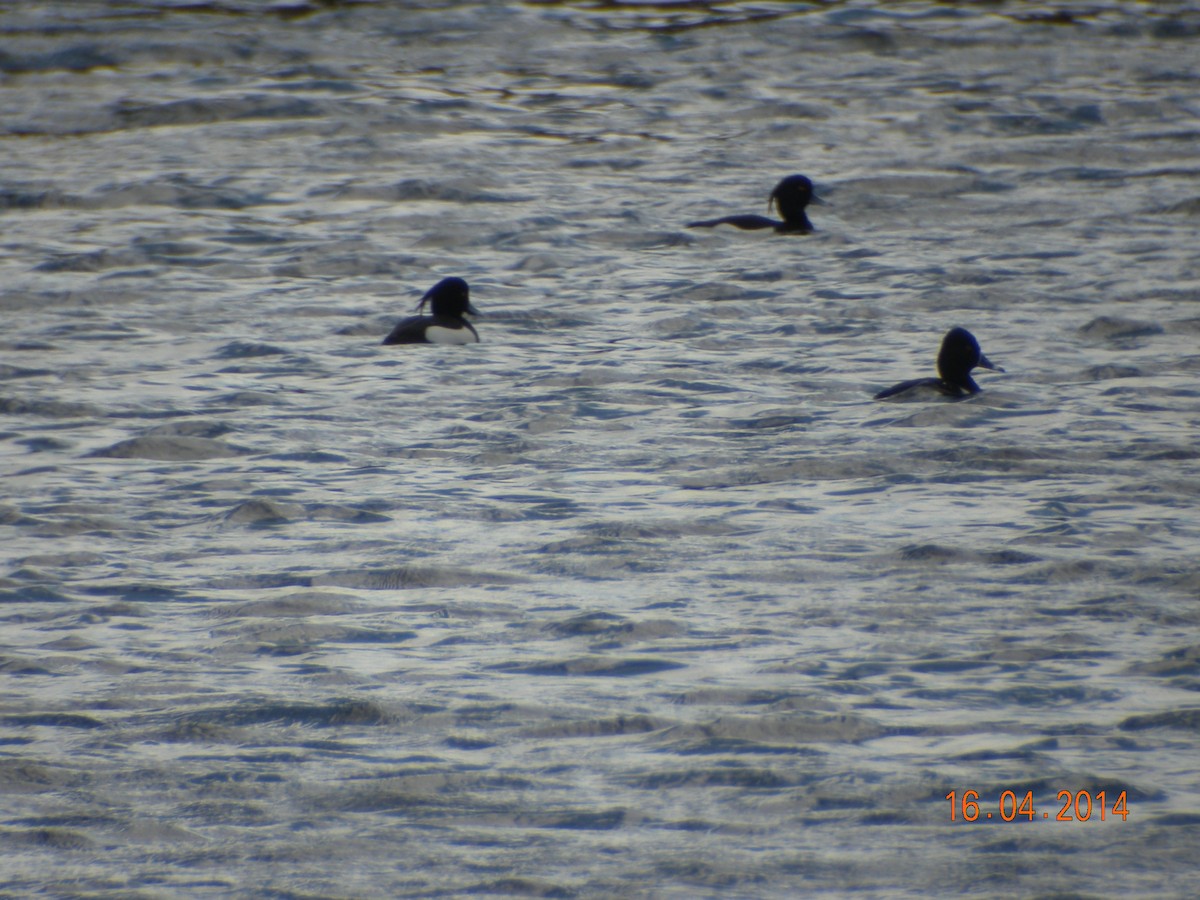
(472,310)
(985,363)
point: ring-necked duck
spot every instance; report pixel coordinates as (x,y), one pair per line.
(790,197)
(959,354)
(448,300)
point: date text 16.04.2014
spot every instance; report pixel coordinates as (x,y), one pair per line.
(1075,806)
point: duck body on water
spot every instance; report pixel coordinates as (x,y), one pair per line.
(959,354)
(791,197)
(449,301)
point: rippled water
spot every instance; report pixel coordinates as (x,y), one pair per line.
(643,595)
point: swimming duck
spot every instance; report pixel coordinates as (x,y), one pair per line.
(448,300)
(958,355)
(790,197)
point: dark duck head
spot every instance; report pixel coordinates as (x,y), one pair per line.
(791,197)
(450,298)
(958,355)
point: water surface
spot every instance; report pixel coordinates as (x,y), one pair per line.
(643,595)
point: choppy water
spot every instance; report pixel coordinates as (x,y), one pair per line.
(643,595)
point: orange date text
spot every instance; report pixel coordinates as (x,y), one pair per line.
(1073,806)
